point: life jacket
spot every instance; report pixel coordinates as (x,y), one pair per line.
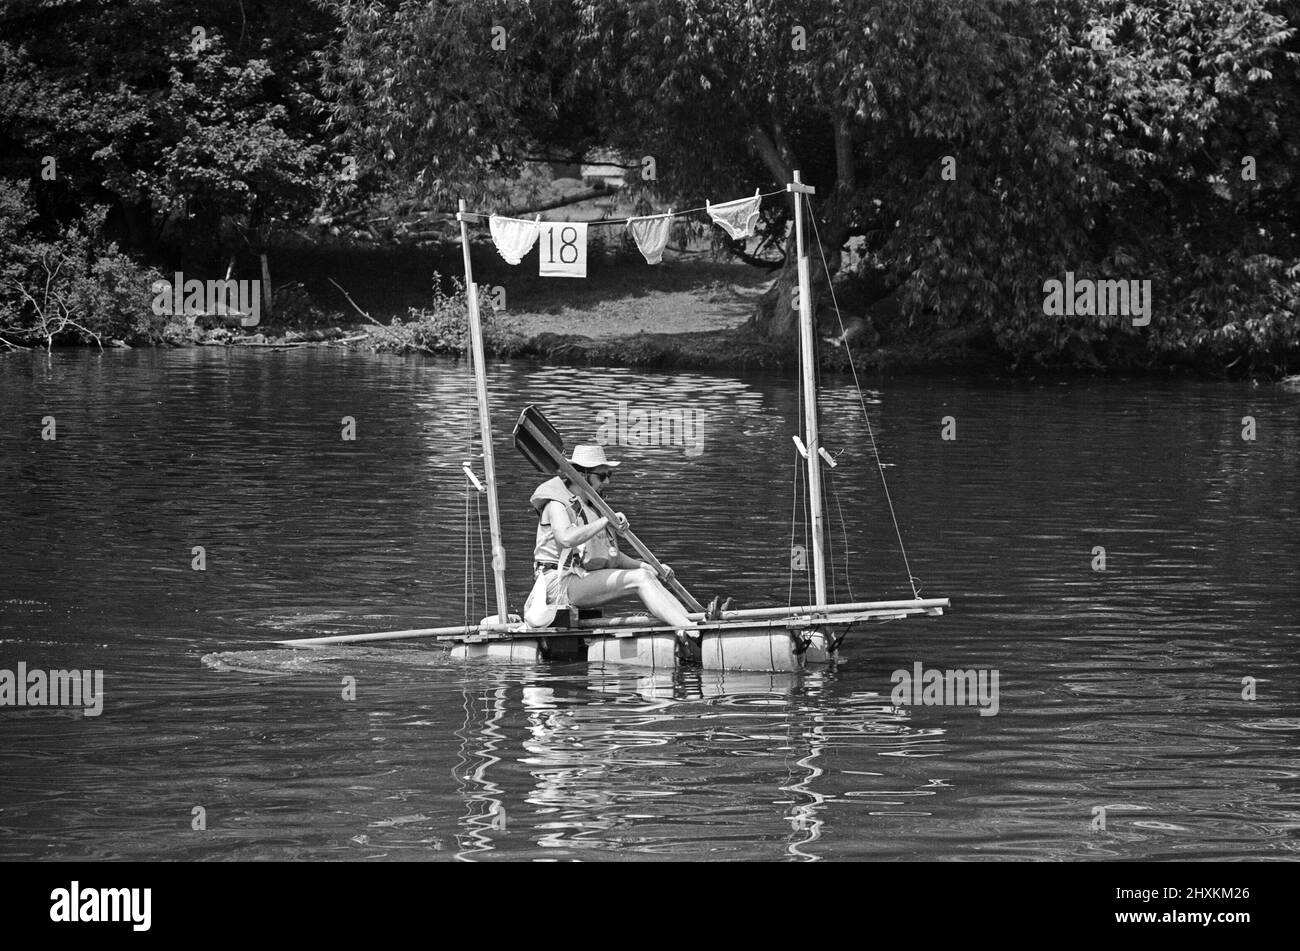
(547,548)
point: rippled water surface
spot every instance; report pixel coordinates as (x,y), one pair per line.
(1121,691)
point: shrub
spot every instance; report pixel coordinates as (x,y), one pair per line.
(443,327)
(75,286)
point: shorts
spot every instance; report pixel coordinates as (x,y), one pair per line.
(557,585)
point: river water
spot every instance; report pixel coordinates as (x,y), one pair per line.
(1147,710)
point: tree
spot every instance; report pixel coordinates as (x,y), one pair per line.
(195,124)
(448,96)
(1081,135)
(234,170)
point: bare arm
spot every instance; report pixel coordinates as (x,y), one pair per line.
(568,535)
(628,562)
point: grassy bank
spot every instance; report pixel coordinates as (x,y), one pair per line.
(692,311)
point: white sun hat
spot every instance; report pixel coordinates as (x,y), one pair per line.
(591,457)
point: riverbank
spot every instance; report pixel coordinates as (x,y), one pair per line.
(691,312)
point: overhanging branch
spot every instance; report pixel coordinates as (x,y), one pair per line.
(769,155)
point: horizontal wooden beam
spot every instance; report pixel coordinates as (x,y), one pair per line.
(792,618)
(640,625)
(379,636)
(786,613)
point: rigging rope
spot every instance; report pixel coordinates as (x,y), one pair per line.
(844,530)
(800,481)
(797,483)
(468,568)
(794,508)
(810,593)
(471,490)
(482,552)
(911,579)
(830,547)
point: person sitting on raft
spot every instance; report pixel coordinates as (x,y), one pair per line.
(597,572)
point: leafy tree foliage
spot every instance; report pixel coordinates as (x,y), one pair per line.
(197,124)
(452,95)
(977,148)
(1102,137)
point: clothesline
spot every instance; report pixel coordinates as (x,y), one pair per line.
(515,237)
(621,221)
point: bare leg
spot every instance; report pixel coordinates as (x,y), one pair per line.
(610,584)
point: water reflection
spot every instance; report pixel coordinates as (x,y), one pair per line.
(479,741)
(610,759)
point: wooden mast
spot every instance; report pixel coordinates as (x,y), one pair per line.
(808,350)
(485,423)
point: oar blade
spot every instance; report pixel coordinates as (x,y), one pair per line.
(529,440)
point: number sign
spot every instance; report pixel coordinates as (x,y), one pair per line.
(563,249)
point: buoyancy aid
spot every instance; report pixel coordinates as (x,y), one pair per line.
(547,548)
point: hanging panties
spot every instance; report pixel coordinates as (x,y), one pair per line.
(651,235)
(513,237)
(737,218)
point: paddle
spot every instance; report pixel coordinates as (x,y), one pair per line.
(535,442)
(542,445)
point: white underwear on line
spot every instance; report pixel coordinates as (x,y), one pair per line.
(651,235)
(514,237)
(738,217)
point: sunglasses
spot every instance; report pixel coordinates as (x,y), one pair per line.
(603,476)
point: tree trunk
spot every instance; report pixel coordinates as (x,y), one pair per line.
(266,284)
(776,314)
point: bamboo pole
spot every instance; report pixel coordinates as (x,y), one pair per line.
(379,636)
(634,621)
(485,423)
(785,613)
(808,345)
(654,626)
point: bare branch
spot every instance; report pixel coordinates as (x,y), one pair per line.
(768,154)
(577,160)
(86,330)
(845,172)
(594,191)
(372,320)
(782,143)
